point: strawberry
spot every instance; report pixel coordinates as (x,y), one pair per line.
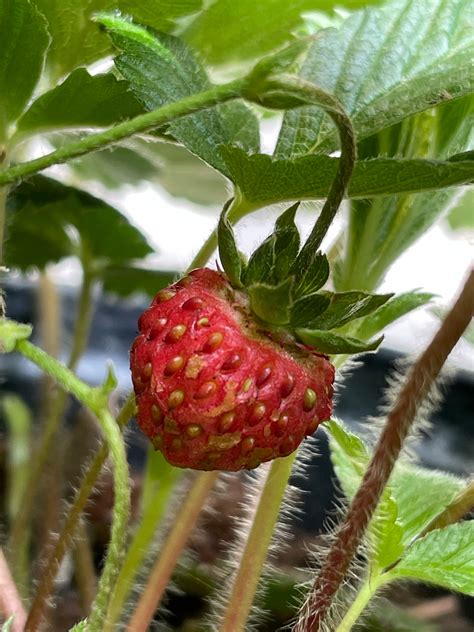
(229,369)
(216,391)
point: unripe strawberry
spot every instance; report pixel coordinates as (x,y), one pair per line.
(217,390)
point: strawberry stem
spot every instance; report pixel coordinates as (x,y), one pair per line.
(399,421)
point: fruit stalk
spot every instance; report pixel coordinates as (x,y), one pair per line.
(399,421)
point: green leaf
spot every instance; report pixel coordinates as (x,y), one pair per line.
(328,342)
(24,37)
(271,261)
(383,66)
(126,281)
(461,216)
(437,490)
(394,308)
(41,214)
(228,252)
(161,69)
(77,41)
(81,101)
(263,180)
(230,31)
(347,306)
(312,277)
(350,458)
(444,557)
(271,303)
(304,310)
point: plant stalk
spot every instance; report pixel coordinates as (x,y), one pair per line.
(399,421)
(165,564)
(69,529)
(3,219)
(142,123)
(96,401)
(257,545)
(359,604)
(10,600)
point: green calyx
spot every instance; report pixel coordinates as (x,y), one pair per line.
(284,294)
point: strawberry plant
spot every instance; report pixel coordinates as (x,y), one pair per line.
(233,368)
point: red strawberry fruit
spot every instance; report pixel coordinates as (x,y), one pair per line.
(215,390)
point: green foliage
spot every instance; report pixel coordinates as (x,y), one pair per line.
(263,180)
(24,37)
(228,253)
(444,557)
(383,68)
(41,214)
(347,306)
(80,101)
(271,303)
(331,343)
(162,69)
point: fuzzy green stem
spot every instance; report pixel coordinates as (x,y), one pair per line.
(96,401)
(460,507)
(315,96)
(399,421)
(80,337)
(365,594)
(165,564)
(141,123)
(257,545)
(69,529)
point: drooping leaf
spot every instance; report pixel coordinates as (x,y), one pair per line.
(78,41)
(311,278)
(305,310)
(264,181)
(161,69)
(384,65)
(410,484)
(271,261)
(41,214)
(129,280)
(24,41)
(394,308)
(271,303)
(228,252)
(232,31)
(81,101)
(329,342)
(346,306)
(444,557)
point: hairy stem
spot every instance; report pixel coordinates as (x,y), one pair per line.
(80,337)
(454,512)
(141,123)
(257,545)
(10,600)
(68,532)
(96,401)
(365,594)
(165,564)
(399,421)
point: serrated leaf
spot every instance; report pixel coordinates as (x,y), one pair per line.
(41,213)
(436,489)
(347,306)
(271,261)
(392,310)
(228,252)
(383,67)
(329,342)
(444,557)
(311,277)
(81,101)
(271,303)
(304,310)
(263,180)
(234,31)
(25,40)
(126,281)
(161,69)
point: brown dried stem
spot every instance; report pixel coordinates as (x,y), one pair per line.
(418,384)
